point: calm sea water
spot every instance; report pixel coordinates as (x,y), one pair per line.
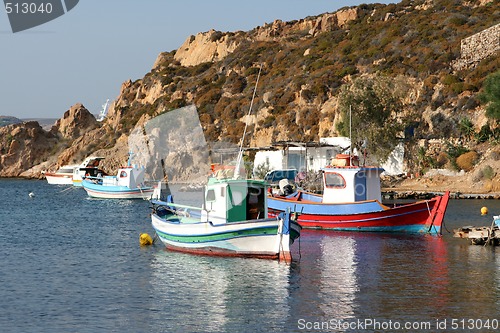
(73,264)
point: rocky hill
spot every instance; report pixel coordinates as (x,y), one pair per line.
(405,69)
(7,120)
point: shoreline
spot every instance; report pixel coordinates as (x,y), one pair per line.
(388,193)
(397,194)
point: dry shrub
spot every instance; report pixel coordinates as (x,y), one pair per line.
(466,161)
(442,159)
(495,155)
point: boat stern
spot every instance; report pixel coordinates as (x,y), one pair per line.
(288,231)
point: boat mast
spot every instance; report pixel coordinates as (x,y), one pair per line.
(240,153)
(350,135)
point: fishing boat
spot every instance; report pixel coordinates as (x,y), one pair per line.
(63,176)
(127,184)
(351,201)
(88,168)
(232,222)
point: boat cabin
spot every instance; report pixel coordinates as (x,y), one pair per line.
(89,167)
(129,176)
(234,200)
(345,181)
(66,169)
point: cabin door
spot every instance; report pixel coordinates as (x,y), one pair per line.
(360,192)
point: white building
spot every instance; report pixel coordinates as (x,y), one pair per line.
(314,156)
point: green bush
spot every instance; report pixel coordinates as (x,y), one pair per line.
(488,172)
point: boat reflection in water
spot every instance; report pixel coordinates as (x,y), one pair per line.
(475,280)
(217,294)
(338,277)
(338,284)
(363,276)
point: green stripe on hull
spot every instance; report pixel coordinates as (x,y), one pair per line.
(272,230)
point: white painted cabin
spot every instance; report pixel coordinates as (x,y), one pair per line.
(345,181)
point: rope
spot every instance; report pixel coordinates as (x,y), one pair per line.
(240,153)
(429,210)
(67,189)
(300,251)
(445,228)
(489,240)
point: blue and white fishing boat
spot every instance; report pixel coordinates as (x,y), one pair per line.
(232,222)
(127,184)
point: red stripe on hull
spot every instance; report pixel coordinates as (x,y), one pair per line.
(212,251)
(426,213)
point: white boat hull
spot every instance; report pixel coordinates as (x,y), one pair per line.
(59,179)
(257,238)
(130,194)
(116,192)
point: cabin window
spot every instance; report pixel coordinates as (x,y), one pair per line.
(334,180)
(237,198)
(210,195)
(223,192)
(123,174)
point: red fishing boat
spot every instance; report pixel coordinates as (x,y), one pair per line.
(351,201)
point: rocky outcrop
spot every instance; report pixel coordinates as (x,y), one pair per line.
(279,28)
(205,47)
(329,22)
(75,122)
(214,45)
(7,120)
(26,149)
(22,146)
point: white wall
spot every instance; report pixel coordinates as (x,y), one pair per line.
(321,157)
(394,164)
(274,157)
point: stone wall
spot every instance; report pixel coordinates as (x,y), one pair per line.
(477,47)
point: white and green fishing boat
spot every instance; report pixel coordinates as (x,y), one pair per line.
(233,221)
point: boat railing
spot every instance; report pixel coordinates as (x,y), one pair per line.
(171,204)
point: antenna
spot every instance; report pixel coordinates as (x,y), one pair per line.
(350,134)
(240,153)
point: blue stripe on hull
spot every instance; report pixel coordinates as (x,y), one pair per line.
(416,228)
(325,209)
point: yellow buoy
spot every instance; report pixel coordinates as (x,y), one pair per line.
(484,210)
(145,239)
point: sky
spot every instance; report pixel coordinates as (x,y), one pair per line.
(86,54)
